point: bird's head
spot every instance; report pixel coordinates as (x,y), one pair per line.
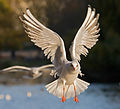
(75,65)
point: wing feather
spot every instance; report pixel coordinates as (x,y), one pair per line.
(86,36)
(46,39)
(34,72)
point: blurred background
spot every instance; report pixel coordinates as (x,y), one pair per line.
(102,65)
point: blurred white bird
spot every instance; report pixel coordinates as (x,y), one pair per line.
(33,72)
(67,85)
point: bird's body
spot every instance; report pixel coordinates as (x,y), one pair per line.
(67,85)
(33,72)
(69,74)
(67,81)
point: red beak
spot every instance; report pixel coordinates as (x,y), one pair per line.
(74,68)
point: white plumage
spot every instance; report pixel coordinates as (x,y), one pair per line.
(67,85)
(33,72)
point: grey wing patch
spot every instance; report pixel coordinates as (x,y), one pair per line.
(58,58)
(57,61)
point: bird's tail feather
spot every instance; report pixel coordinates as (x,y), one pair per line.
(80,86)
(56,88)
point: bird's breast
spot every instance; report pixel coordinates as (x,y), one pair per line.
(69,77)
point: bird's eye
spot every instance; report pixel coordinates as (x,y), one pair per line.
(76,65)
(71,65)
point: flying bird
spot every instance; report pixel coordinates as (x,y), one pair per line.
(68,84)
(31,72)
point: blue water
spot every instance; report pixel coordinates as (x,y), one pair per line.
(98,96)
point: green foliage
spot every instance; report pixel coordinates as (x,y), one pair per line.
(4,7)
(11,36)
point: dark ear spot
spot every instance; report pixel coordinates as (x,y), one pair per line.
(71,65)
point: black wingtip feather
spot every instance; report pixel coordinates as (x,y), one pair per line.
(27,9)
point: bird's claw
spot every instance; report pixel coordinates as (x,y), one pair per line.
(63,99)
(76,99)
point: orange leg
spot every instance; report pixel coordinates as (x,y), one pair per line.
(75,99)
(63,98)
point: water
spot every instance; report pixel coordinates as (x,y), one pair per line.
(97,96)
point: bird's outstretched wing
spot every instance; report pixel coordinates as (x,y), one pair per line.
(15,69)
(33,72)
(25,71)
(46,39)
(86,36)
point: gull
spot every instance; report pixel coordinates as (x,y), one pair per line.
(67,84)
(33,72)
